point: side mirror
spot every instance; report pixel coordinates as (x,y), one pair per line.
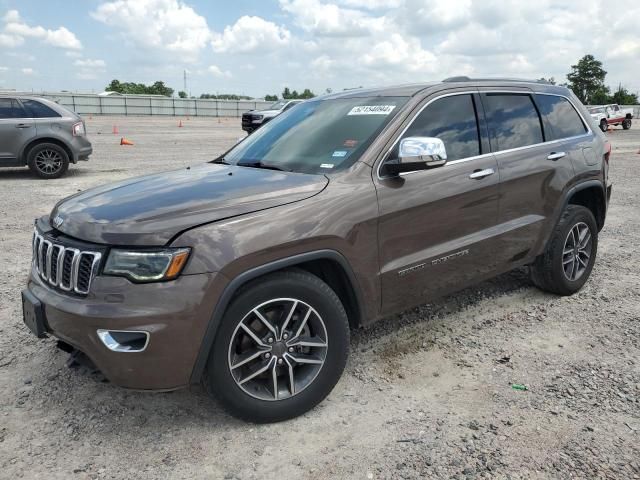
(418,153)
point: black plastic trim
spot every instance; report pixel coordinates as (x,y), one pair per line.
(243,278)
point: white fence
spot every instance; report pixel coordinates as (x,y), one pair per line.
(89,104)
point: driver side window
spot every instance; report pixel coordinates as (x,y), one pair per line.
(453,120)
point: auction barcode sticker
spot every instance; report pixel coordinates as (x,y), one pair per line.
(372,110)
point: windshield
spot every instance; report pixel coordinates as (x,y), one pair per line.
(596,110)
(319,136)
(278,105)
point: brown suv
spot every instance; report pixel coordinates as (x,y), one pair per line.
(248,272)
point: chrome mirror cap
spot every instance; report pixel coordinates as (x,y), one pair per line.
(428,150)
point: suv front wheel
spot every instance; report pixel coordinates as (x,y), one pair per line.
(566,264)
(281,348)
(48,160)
(604,126)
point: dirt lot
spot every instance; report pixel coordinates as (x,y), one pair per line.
(426,394)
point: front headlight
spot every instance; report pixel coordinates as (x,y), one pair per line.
(146,265)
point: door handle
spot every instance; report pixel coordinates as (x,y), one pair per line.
(556,155)
(23,125)
(478,174)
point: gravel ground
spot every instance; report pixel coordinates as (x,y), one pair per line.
(426,394)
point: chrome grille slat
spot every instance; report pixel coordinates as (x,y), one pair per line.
(51,262)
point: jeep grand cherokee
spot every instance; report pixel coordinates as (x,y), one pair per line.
(247,273)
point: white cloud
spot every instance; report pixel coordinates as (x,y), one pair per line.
(371,4)
(10,41)
(326,19)
(218,72)
(27,71)
(251,34)
(4,69)
(89,63)
(168,25)
(16,30)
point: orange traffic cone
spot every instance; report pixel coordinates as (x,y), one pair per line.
(124,141)
(115,130)
(180,124)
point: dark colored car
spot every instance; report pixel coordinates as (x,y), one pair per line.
(254,119)
(40,134)
(248,273)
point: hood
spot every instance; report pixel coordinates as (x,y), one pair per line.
(267,113)
(151,210)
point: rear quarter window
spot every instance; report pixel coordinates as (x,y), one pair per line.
(10,108)
(39,110)
(513,120)
(562,117)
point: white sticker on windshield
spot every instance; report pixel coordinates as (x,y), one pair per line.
(326,165)
(372,110)
(339,153)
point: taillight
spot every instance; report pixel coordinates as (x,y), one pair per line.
(607,151)
(78,129)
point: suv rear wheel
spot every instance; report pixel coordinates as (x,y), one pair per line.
(566,264)
(281,348)
(48,160)
(626,123)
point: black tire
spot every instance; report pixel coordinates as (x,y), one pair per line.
(48,160)
(223,382)
(626,123)
(548,271)
(604,125)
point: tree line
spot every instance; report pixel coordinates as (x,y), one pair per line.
(586,79)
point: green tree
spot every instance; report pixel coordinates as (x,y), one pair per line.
(623,97)
(586,79)
(158,88)
(286,93)
(271,98)
(114,86)
(307,94)
(600,96)
(550,80)
(295,94)
(182,94)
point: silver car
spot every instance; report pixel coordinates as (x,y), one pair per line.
(40,134)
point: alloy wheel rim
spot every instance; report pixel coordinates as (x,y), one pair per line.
(48,161)
(278,349)
(577,251)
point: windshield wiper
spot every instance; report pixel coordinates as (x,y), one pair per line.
(220,161)
(259,164)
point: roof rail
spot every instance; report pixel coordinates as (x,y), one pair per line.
(464,78)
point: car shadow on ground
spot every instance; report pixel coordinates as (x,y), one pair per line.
(8,174)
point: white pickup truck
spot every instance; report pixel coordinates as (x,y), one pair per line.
(612,114)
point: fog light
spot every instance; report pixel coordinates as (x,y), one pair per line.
(124,340)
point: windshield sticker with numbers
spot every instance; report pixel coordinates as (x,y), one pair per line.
(372,110)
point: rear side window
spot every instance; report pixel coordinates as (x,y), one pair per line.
(513,120)
(452,120)
(10,108)
(565,121)
(39,110)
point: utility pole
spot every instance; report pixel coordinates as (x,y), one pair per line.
(185,81)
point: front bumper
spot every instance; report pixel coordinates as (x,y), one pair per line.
(175,314)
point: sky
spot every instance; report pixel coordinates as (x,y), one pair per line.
(257,47)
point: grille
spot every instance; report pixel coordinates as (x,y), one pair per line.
(66,268)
